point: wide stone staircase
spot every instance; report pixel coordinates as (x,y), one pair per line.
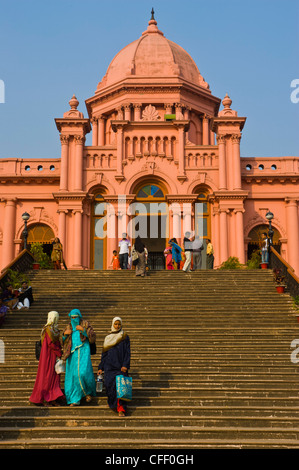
(210,361)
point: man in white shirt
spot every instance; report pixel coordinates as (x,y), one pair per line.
(124,250)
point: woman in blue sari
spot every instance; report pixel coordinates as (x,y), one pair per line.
(176,252)
(115,361)
(79,376)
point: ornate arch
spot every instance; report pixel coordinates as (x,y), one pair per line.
(202,179)
(145,176)
(259,220)
(37,216)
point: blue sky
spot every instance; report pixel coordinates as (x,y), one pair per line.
(50,50)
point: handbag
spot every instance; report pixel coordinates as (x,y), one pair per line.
(93,348)
(59,366)
(135,257)
(124,387)
(38,348)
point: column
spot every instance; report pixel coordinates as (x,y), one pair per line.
(223,236)
(127,112)
(137,111)
(112,242)
(79,141)
(176,229)
(101,131)
(181,150)
(293,233)
(236,162)
(222,162)
(62,226)
(216,236)
(205,131)
(94,132)
(187,215)
(119,152)
(77,238)
(240,249)
(64,139)
(9,227)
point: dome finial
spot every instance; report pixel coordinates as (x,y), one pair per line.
(152,12)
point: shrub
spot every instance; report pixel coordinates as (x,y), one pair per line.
(255,260)
(16,278)
(231,263)
(40,256)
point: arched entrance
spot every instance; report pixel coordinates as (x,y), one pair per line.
(202,222)
(151,221)
(255,236)
(41,233)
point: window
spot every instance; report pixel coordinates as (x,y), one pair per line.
(150,191)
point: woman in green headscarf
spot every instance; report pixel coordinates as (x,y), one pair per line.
(79,376)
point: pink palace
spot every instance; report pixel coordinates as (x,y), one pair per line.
(165,158)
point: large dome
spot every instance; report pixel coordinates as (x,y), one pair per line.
(152,56)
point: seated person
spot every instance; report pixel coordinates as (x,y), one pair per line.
(10,297)
(25,296)
(3,312)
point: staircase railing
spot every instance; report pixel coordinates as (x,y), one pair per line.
(291,280)
(22,263)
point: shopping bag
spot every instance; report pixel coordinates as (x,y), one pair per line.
(124,387)
(60,366)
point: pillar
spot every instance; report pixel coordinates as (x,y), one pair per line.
(240,249)
(101,131)
(205,131)
(224,236)
(77,238)
(62,226)
(94,132)
(9,227)
(137,112)
(119,154)
(293,233)
(236,162)
(181,149)
(79,141)
(64,139)
(222,162)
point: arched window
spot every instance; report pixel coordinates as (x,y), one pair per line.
(202,214)
(150,191)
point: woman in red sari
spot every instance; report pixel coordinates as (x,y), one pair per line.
(47,384)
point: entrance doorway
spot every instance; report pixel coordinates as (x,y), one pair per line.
(151,223)
(256,239)
(41,233)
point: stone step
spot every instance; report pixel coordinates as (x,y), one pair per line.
(132,422)
(84,412)
(121,432)
(144,444)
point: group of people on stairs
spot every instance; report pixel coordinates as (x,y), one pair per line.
(75,347)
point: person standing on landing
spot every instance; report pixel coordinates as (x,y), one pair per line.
(124,250)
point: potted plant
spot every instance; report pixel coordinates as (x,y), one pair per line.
(279,280)
(41,259)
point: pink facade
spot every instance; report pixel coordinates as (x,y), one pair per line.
(155,125)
